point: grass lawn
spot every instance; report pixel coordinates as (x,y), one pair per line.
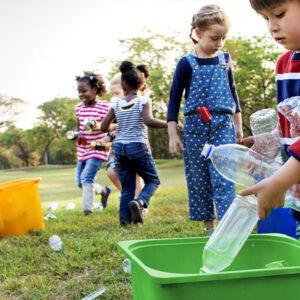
(89,258)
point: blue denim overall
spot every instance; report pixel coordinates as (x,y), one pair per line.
(206,187)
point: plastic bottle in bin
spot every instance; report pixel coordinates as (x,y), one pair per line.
(230,234)
(263,125)
(232,161)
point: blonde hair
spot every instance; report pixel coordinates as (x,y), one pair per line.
(209,15)
(115,80)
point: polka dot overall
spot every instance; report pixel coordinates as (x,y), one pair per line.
(206,187)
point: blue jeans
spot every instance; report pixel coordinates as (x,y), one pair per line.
(87,170)
(132,159)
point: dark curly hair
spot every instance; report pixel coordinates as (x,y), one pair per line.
(134,76)
(94,80)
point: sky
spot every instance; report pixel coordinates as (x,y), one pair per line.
(46,43)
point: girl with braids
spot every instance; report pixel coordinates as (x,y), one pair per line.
(132,156)
(89,160)
(206,76)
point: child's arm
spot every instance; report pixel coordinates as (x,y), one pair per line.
(271,191)
(237,119)
(148,117)
(106,125)
(174,140)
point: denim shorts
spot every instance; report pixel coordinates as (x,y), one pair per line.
(86,171)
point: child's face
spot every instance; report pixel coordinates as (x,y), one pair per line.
(116,91)
(284,24)
(212,39)
(87,94)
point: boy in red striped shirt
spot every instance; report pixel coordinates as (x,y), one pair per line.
(282,17)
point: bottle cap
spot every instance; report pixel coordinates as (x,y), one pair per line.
(206,151)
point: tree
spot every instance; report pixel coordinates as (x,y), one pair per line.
(160,52)
(22,143)
(57,117)
(10,108)
(254,69)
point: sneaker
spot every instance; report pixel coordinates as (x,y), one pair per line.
(104,201)
(136,211)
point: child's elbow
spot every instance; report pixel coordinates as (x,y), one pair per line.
(148,122)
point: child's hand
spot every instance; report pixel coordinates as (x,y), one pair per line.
(97,126)
(106,139)
(175,142)
(179,126)
(269,196)
(239,135)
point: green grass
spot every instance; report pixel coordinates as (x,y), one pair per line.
(89,259)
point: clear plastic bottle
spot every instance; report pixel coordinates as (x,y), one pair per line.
(240,164)
(232,161)
(126,265)
(55,242)
(230,234)
(263,125)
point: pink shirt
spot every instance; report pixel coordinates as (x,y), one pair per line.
(97,112)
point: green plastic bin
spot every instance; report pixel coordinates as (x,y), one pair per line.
(267,267)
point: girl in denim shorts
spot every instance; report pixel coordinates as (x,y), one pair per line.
(132,156)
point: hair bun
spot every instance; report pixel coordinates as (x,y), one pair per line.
(126,66)
(145,69)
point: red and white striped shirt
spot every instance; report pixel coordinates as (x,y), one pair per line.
(97,112)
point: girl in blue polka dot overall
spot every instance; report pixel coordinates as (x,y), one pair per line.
(206,76)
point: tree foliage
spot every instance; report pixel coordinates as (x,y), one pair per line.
(10,108)
(254,63)
(254,71)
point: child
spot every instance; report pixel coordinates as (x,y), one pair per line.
(117,92)
(132,155)
(282,18)
(89,161)
(206,76)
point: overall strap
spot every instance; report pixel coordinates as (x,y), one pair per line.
(221,57)
(192,61)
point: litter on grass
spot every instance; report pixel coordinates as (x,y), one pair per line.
(94,294)
(50,216)
(53,206)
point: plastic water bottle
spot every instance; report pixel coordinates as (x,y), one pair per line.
(55,242)
(126,265)
(230,234)
(233,161)
(240,164)
(263,125)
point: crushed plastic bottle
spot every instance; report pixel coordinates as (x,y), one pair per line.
(55,242)
(88,124)
(126,265)
(53,206)
(50,216)
(276,264)
(290,108)
(72,134)
(263,125)
(70,206)
(97,206)
(94,294)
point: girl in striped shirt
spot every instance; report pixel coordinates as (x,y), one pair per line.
(132,155)
(89,160)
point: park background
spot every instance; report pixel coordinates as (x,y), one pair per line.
(45,44)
